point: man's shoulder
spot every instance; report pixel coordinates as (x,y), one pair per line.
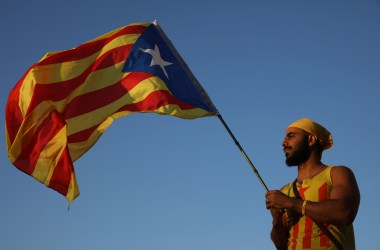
(341,170)
(342,174)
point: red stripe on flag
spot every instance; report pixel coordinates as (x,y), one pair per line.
(61,177)
(91,101)
(60,90)
(112,57)
(154,101)
(94,100)
(134,78)
(13,115)
(82,135)
(89,48)
(32,145)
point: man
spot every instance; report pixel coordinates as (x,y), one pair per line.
(328,197)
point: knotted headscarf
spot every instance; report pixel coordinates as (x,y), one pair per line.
(323,135)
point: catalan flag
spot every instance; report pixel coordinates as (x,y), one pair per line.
(63,103)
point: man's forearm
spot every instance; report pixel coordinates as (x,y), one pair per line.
(279,236)
(329,211)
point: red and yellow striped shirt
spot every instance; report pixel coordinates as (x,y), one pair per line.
(305,234)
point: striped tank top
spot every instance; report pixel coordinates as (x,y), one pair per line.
(305,234)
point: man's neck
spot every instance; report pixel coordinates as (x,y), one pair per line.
(309,169)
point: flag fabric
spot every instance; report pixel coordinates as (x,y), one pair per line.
(63,103)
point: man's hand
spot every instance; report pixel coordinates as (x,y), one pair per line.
(277,200)
(280,230)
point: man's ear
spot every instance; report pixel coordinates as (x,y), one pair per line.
(313,139)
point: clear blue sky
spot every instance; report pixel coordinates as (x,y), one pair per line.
(162,183)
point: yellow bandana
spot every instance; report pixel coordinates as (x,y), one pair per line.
(323,135)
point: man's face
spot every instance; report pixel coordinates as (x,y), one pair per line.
(296,146)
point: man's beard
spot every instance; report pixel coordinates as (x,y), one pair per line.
(299,156)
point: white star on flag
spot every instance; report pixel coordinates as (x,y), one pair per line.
(157,59)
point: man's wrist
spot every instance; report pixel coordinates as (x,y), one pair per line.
(295,204)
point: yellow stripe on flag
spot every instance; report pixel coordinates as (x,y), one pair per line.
(47,159)
(79,148)
(138,93)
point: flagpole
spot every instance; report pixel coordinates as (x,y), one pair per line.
(243,152)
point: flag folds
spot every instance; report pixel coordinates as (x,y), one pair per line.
(63,103)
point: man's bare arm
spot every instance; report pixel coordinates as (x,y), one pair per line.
(279,233)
